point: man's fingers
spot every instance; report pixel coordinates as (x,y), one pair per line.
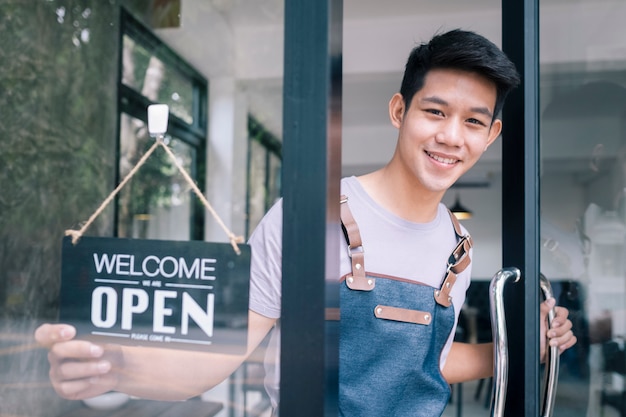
(560,313)
(565,341)
(562,329)
(547,305)
(84,388)
(571,342)
(49,334)
(72,370)
(73,363)
(78,368)
(76,349)
(73,390)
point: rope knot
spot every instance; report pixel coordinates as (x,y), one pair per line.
(234,240)
(76,235)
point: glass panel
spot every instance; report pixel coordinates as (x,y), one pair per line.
(273,177)
(378,37)
(583,102)
(59,158)
(256,183)
(157,80)
(264,167)
(57,164)
(155,204)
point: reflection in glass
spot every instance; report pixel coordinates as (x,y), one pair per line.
(155,204)
(583,224)
(264,167)
(149,75)
(57,163)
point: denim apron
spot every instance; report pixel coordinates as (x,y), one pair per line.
(392,333)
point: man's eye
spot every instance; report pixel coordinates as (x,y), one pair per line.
(435,111)
(475,122)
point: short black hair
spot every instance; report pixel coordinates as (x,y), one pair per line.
(462,50)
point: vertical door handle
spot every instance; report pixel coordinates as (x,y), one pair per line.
(500,347)
(551,373)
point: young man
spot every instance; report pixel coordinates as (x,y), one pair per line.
(400,298)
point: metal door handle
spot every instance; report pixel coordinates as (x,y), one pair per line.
(501,355)
(500,347)
(551,374)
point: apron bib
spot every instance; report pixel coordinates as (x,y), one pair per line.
(392,333)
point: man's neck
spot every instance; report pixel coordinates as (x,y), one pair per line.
(401,196)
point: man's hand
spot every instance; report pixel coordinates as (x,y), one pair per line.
(78,369)
(560,334)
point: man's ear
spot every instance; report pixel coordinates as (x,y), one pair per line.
(396,110)
(494,132)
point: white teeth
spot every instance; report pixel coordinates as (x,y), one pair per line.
(442,160)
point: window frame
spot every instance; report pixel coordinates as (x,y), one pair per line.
(134,104)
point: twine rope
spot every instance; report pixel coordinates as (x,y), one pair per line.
(234,240)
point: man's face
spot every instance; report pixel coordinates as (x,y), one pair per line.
(446,129)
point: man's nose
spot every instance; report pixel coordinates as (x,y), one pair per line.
(450,133)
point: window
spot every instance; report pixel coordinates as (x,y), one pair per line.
(264,165)
(158,197)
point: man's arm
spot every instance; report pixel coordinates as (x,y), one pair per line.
(467,361)
(81,369)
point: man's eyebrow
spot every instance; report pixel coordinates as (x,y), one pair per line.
(440,101)
(482,110)
(435,100)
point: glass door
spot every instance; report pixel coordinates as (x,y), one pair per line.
(583,190)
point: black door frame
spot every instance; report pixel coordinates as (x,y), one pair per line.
(520,205)
(311,171)
(310,187)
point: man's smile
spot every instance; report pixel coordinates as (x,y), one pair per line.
(443,160)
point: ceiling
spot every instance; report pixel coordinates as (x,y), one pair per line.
(243,39)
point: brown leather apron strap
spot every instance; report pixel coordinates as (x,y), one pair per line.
(358,280)
(458,260)
(456,224)
(442,295)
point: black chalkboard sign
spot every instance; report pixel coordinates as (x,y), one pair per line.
(173,294)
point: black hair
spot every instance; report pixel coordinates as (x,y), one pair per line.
(462,50)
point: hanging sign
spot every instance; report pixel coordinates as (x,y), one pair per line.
(171,294)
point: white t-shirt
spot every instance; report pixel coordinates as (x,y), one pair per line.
(392,246)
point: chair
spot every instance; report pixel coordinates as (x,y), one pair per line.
(253,377)
(614,362)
